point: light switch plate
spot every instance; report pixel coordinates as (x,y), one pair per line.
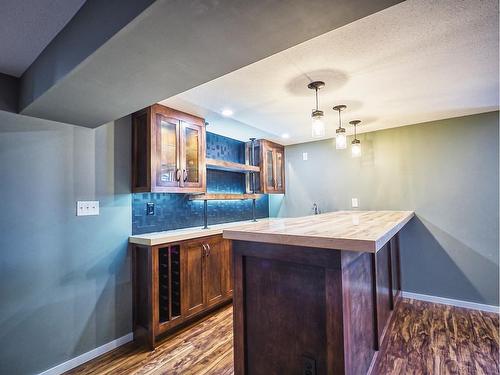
(150,208)
(304,156)
(87,208)
(354,203)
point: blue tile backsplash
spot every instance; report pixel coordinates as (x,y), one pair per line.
(224,148)
(175,211)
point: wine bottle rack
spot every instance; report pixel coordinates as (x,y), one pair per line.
(169,283)
(175,262)
(164,284)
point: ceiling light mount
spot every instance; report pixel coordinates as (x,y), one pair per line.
(316,85)
(355,123)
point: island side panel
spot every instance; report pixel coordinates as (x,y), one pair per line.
(334,325)
(287,299)
(384,290)
(395,268)
(285,316)
(358,312)
(239,329)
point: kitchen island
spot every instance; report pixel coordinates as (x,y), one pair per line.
(314,295)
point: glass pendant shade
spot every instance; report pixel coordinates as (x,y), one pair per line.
(318,128)
(317,125)
(356,143)
(356,148)
(340,139)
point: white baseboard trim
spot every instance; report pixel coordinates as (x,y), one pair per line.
(452,302)
(85,357)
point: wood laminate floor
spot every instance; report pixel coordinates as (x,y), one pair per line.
(428,338)
(424,338)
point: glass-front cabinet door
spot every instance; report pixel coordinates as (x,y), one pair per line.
(279,171)
(269,165)
(167,170)
(272,167)
(168,151)
(192,155)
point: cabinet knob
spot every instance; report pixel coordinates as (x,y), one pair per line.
(178,174)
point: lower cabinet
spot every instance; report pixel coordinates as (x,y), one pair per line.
(192,284)
(206,269)
(177,282)
(215,264)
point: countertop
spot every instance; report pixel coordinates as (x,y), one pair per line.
(366,231)
(169,236)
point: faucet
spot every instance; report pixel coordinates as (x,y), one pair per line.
(315,209)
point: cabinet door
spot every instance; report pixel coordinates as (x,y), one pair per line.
(192,288)
(193,164)
(167,151)
(279,170)
(272,167)
(215,271)
(268,170)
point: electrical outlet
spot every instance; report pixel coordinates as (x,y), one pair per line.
(87,208)
(150,208)
(304,156)
(354,203)
(308,366)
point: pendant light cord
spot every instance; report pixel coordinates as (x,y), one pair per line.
(316,98)
(340,120)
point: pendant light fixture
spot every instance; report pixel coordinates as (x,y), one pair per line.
(340,134)
(318,126)
(356,143)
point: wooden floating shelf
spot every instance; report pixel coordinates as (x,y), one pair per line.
(231,166)
(223,197)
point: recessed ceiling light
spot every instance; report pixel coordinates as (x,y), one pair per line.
(285,135)
(226,112)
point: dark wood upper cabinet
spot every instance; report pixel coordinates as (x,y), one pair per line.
(270,157)
(168,151)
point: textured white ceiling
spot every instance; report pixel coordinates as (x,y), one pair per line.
(420,60)
(27,27)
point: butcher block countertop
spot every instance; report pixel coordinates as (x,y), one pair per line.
(366,231)
(176,235)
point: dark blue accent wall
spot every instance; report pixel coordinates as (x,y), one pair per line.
(224,148)
(175,211)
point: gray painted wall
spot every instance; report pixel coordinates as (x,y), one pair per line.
(9,90)
(446,171)
(65,281)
